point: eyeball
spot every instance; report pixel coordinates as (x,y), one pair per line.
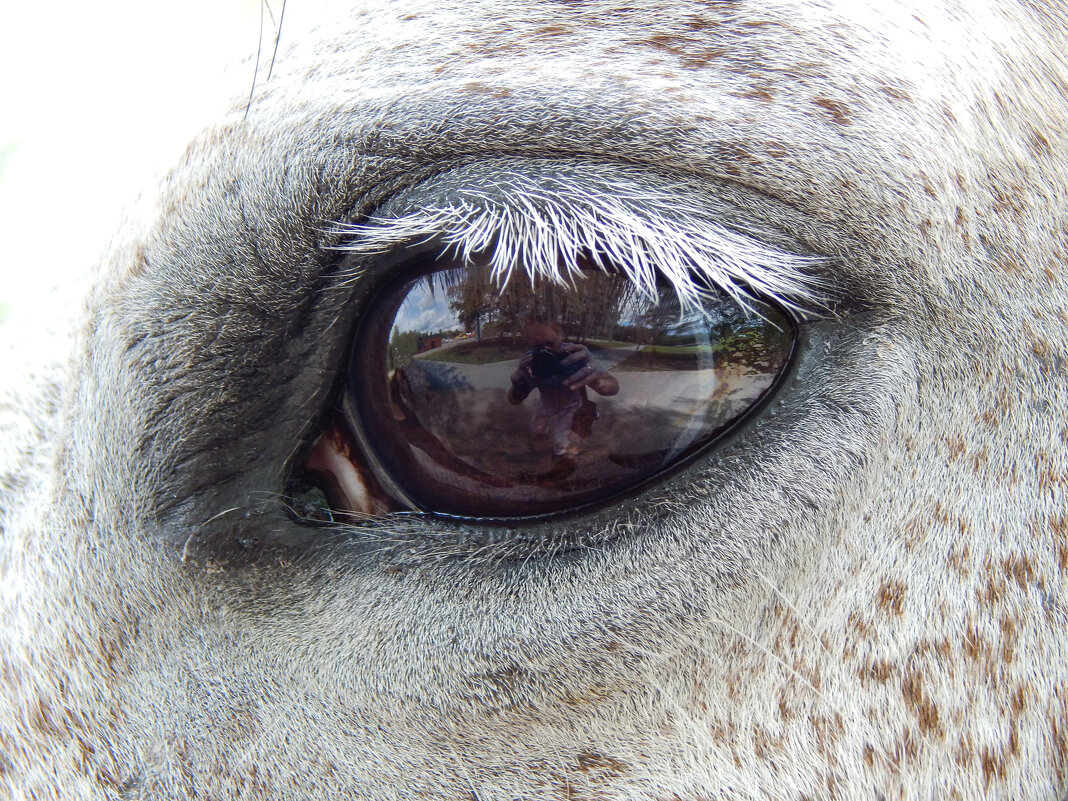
(465,397)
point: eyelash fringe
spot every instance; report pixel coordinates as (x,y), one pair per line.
(544,228)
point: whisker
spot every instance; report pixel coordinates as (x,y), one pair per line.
(277,38)
(806,624)
(256,64)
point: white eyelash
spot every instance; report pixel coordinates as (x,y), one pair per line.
(544,227)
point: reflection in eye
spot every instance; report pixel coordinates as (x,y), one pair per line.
(470,399)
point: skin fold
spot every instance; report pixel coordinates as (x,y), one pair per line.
(859,593)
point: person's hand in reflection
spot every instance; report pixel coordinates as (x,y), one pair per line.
(560,371)
(586,373)
(523,380)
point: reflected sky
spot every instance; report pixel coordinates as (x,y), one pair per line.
(426,310)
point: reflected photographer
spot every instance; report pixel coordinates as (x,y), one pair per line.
(560,371)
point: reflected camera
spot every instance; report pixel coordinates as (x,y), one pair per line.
(547,365)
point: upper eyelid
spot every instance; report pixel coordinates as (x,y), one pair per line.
(515,214)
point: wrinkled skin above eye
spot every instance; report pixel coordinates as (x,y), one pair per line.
(473,399)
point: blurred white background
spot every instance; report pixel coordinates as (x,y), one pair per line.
(95,100)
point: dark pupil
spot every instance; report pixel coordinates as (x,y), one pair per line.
(480,401)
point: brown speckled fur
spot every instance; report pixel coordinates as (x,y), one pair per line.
(861,595)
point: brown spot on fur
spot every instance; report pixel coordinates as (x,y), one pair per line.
(994,592)
(919,704)
(1007,198)
(1059,527)
(1020,569)
(958,559)
(1039,145)
(1048,476)
(42,719)
(828,732)
(595,762)
(696,23)
(691,54)
(965,751)
(993,767)
(1059,746)
(1018,701)
(869,755)
(863,629)
(974,645)
(839,111)
(499,48)
(896,93)
(105,778)
(928,189)
(785,712)
(766,746)
(777,150)
(956,446)
(551,31)
(903,751)
(702,58)
(477,87)
(917,530)
(1008,639)
(881,670)
(735,152)
(891,597)
(763,94)
(591,695)
(944,649)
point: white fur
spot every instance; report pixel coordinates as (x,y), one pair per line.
(861,594)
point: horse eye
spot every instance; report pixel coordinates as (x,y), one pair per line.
(465,397)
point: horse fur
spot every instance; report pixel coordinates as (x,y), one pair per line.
(859,595)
